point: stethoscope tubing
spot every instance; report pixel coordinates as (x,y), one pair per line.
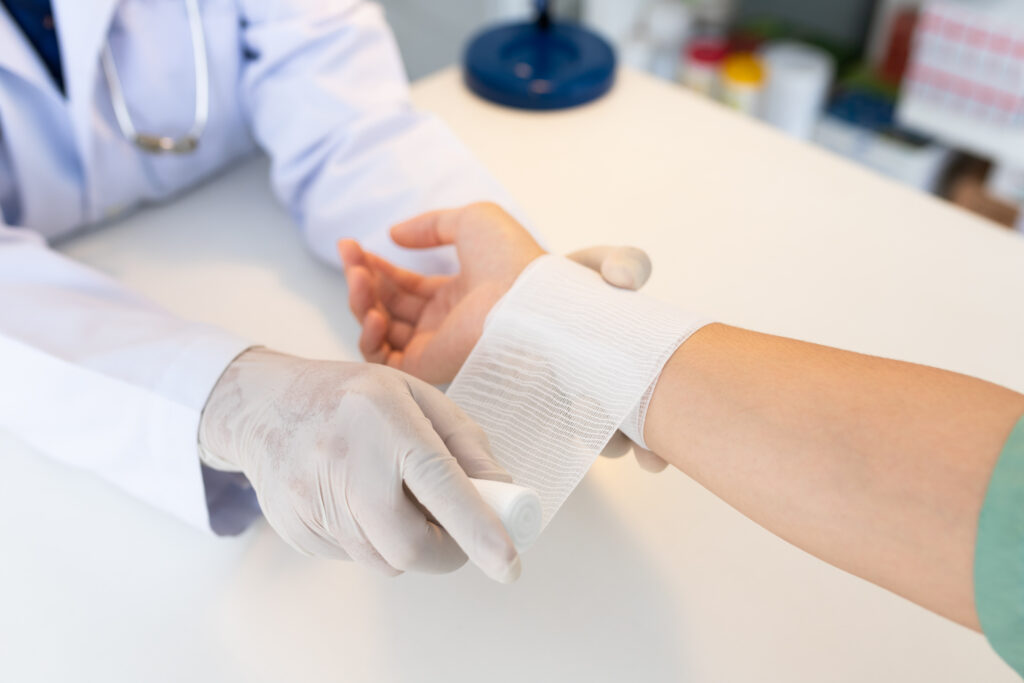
(162,144)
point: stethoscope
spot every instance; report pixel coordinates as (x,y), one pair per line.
(160,144)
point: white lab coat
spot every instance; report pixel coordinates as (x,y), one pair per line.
(98,377)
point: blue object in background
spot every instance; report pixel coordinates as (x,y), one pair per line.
(540,65)
(862,108)
(872,111)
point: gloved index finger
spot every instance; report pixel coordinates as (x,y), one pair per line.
(441,486)
(465,439)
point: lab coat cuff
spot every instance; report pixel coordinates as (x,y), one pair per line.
(190,378)
(219,502)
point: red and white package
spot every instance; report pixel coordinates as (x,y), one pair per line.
(970,60)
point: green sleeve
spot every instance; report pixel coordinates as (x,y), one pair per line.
(999,555)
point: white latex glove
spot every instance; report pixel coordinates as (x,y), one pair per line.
(334,450)
(623,267)
(626,268)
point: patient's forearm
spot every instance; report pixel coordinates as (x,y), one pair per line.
(876,466)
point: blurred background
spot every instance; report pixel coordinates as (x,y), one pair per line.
(929,93)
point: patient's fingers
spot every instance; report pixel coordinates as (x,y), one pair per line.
(406,279)
(410,357)
(372,291)
(396,359)
(362,296)
(373,340)
(431,229)
(399,333)
(423,286)
(351,253)
(373,280)
(401,304)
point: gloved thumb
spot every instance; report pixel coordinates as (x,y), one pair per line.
(647,460)
(624,267)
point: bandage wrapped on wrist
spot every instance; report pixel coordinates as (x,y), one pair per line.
(565,360)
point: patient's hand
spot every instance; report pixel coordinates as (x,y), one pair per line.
(427,325)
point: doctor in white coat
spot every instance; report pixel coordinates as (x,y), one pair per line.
(109,104)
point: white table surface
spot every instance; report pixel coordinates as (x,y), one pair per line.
(640,578)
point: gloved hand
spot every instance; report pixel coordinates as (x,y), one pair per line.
(623,267)
(626,268)
(427,326)
(350,460)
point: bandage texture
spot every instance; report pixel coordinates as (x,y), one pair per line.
(563,360)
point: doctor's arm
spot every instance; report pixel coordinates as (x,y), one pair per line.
(879,467)
(329,101)
(101,379)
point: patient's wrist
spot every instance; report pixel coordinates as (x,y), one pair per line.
(689,382)
(563,359)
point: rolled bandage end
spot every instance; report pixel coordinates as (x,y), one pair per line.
(518,508)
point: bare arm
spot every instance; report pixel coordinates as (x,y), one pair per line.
(876,466)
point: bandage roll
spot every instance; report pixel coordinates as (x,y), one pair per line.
(518,508)
(798,80)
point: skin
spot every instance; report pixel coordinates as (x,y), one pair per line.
(427,326)
(875,466)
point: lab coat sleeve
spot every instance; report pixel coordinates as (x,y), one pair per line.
(102,379)
(329,101)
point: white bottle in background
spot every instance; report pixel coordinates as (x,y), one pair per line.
(616,20)
(667,25)
(509,9)
(637,53)
(797,82)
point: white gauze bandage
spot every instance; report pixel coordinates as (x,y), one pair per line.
(564,359)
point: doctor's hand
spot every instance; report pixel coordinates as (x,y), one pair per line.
(351,460)
(427,326)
